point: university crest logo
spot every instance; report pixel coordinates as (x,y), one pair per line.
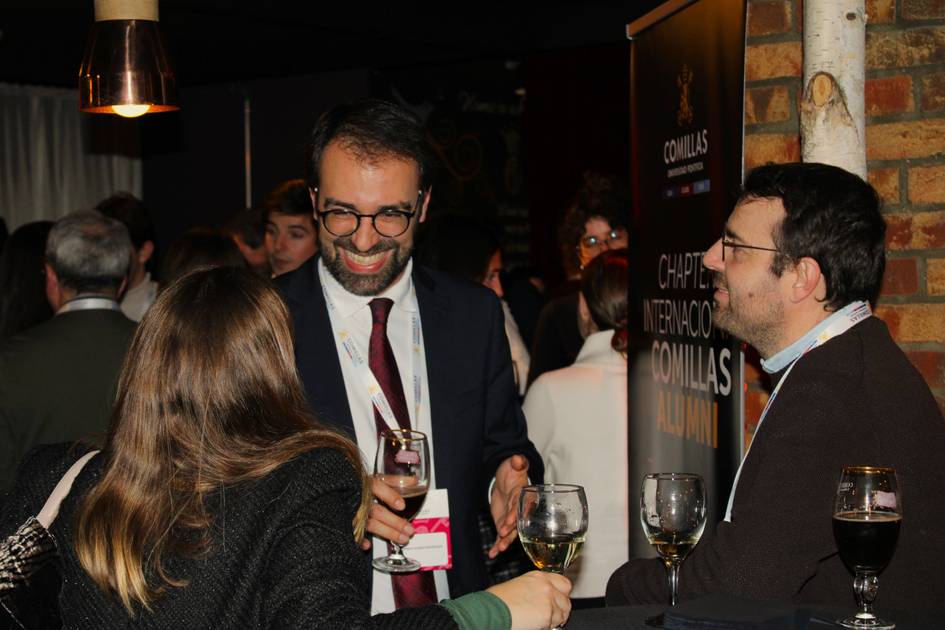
(685,113)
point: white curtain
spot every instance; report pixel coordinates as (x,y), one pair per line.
(54,159)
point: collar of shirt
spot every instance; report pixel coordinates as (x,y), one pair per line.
(87,303)
(787,356)
(347,304)
(597,348)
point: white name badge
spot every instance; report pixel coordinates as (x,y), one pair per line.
(430,545)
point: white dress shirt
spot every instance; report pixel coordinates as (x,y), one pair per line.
(137,300)
(577,419)
(351,312)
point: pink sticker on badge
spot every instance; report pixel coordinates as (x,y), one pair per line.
(432,542)
(407,457)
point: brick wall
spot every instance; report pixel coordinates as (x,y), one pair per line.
(905,146)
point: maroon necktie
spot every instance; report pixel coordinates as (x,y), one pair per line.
(410,589)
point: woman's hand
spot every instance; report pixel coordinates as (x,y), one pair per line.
(536,600)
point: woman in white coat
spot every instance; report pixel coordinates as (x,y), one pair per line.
(577,418)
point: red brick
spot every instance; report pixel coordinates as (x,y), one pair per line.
(914,323)
(767,104)
(920,230)
(927,184)
(903,48)
(880,11)
(923,9)
(933,92)
(768,17)
(755,401)
(761,148)
(935,276)
(901,277)
(886,183)
(767,61)
(902,140)
(889,95)
(931,365)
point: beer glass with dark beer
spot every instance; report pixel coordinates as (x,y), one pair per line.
(866,519)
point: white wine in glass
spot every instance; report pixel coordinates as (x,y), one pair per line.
(673,513)
(552,524)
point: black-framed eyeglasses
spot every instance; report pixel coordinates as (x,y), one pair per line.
(735,246)
(592,243)
(388,222)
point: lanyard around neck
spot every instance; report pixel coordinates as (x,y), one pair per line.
(359,361)
(846,318)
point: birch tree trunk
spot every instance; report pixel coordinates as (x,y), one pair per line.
(832,111)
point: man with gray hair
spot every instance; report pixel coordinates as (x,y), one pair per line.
(57,379)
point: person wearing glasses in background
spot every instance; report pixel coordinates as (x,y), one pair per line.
(371,327)
(596,222)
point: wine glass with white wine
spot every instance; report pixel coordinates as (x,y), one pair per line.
(673,513)
(552,524)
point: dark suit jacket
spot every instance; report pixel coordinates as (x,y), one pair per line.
(57,381)
(856,400)
(477,420)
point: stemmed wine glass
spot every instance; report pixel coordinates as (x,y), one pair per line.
(673,513)
(866,518)
(552,524)
(403,463)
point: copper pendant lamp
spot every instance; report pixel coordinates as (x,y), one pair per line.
(125,70)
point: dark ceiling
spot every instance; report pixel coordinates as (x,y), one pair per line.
(211,41)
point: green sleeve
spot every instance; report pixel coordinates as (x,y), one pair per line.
(479,611)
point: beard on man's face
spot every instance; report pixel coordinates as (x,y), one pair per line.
(366,284)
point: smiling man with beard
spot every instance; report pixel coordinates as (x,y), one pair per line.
(799,264)
(366,319)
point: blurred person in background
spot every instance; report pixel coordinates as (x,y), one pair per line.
(466,248)
(595,222)
(23,300)
(57,379)
(219,501)
(291,233)
(199,247)
(577,418)
(247,228)
(132,213)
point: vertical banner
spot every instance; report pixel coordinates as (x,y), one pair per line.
(687,91)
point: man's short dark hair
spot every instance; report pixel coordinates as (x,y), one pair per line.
(290,197)
(831,216)
(249,224)
(132,212)
(371,128)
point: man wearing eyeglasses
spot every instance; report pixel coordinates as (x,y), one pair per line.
(795,273)
(367,321)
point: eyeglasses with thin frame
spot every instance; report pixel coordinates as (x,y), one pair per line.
(389,222)
(734,245)
(592,243)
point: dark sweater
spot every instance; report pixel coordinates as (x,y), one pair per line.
(856,400)
(283,553)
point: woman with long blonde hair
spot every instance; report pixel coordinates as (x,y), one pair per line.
(218,501)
